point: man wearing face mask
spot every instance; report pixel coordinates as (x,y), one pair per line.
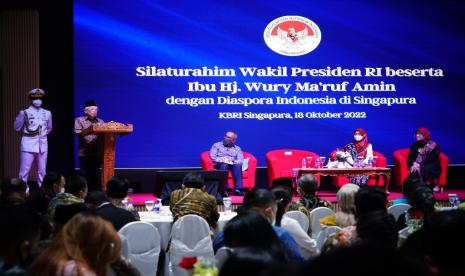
(90,145)
(34,123)
(423,158)
(226,155)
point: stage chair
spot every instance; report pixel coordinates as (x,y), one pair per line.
(144,244)
(315,215)
(248,175)
(281,162)
(190,236)
(401,171)
(300,217)
(340,181)
(398,209)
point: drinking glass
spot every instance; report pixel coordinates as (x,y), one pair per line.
(322,161)
(309,161)
(452,198)
(149,205)
(227,205)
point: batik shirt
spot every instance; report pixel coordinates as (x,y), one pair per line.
(191,201)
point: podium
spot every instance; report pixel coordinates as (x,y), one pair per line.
(108,131)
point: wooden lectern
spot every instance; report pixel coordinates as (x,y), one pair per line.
(109,131)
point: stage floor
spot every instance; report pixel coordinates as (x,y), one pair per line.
(139,199)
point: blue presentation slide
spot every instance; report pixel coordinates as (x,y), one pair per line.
(297,75)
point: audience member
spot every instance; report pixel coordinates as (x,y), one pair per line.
(247,261)
(377,228)
(438,245)
(307,245)
(117,191)
(64,213)
(345,199)
(20,232)
(422,200)
(94,199)
(13,191)
(264,203)
(192,199)
(362,259)
(86,245)
(52,185)
(366,200)
(99,203)
(250,229)
(75,192)
(282,182)
(306,188)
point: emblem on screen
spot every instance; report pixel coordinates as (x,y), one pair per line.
(292,35)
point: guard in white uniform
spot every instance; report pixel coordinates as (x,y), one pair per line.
(34,124)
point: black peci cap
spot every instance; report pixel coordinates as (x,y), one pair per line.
(90,103)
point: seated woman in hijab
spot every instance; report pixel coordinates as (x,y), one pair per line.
(360,148)
(423,158)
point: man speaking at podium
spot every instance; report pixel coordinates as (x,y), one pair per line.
(90,145)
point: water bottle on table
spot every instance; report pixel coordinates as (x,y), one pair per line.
(156,207)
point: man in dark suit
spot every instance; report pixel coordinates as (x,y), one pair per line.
(108,211)
(117,216)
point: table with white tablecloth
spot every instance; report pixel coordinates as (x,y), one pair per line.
(164,223)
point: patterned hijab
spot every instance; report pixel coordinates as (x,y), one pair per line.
(425,132)
(362,145)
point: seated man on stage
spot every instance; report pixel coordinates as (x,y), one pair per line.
(226,155)
(193,200)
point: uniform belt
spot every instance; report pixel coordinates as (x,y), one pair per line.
(30,134)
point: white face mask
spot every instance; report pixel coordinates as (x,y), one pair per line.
(420,137)
(37,102)
(358,137)
(62,190)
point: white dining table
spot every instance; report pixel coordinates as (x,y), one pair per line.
(164,221)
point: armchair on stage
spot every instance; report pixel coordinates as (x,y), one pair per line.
(401,171)
(340,181)
(248,176)
(281,162)
(109,131)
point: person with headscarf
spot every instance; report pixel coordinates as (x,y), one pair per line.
(423,158)
(361,151)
